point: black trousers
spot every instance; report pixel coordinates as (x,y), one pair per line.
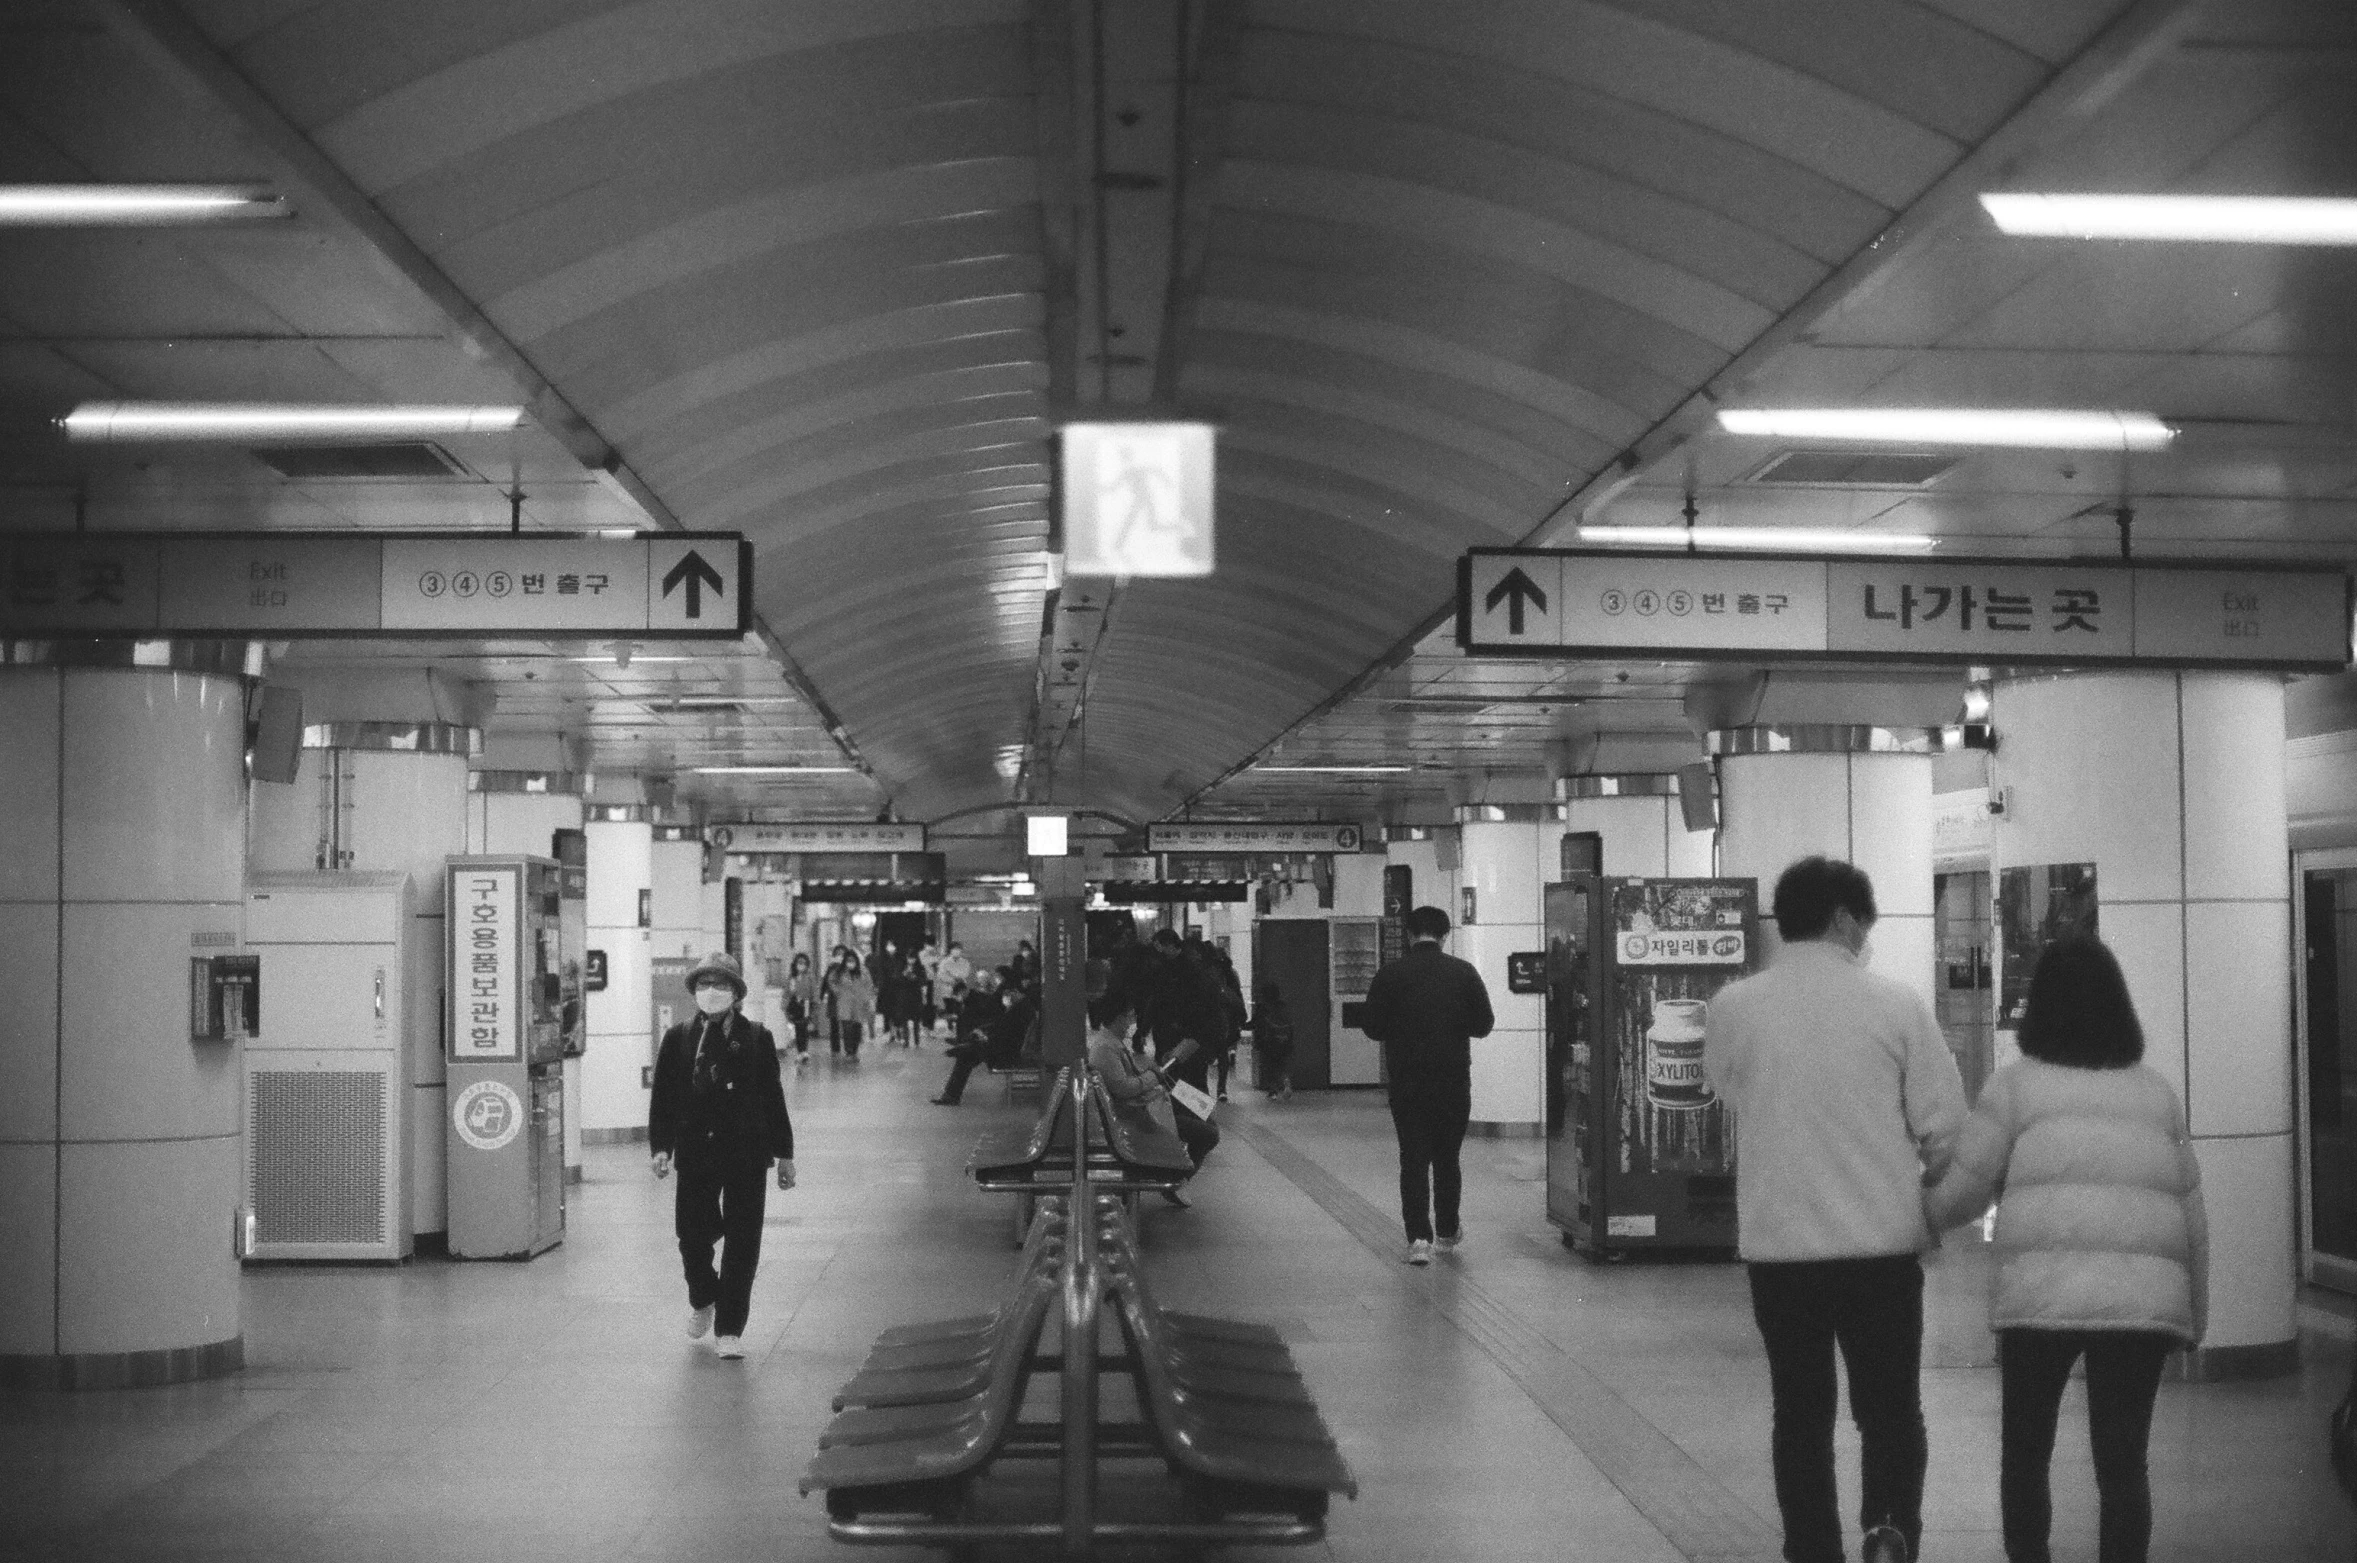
(2123,1379)
(1430,1118)
(968,1057)
(1199,1135)
(721,1204)
(1872,1311)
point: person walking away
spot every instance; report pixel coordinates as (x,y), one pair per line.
(718,1114)
(1026,964)
(1425,1009)
(826,988)
(1220,972)
(801,1004)
(928,964)
(949,986)
(1848,1098)
(1000,1044)
(855,1002)
(2102,1244)
(1136,1086)
(1272,1039)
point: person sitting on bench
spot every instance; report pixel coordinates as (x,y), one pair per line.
(1001,1044)
(1137,1088)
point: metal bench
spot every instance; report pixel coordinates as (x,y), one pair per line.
(934,1408)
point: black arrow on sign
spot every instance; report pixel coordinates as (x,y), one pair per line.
(698,574)
(1516,589)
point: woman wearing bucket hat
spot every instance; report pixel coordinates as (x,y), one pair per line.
(719,1112)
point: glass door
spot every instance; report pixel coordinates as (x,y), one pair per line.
(2327,1066)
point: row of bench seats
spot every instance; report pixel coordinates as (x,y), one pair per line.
(1220,1402)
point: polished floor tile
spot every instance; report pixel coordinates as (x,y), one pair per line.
(1513,1402)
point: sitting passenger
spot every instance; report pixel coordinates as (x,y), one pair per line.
(1137,1088)
(1001,1044)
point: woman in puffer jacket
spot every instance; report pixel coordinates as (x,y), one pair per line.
(2102,1246)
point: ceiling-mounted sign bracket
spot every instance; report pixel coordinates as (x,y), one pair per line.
(2194,613)
(415,585)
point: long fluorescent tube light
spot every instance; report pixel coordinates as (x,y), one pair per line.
(1761,537)
(2050,428)
(2199,219)
(85,206)
(1338,770)
(104,423)
(610,660)
(776,770)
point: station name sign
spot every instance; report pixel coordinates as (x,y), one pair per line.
(1232,836)
(818,836)
(2003,612)
(311,585)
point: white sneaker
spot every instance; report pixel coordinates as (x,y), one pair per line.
(1420,1252)
(1447,1242)
(699,1320)
(732,1346)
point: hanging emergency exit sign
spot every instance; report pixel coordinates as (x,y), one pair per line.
(1137,498)
(1992,612)
(306,585)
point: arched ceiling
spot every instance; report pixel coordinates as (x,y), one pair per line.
(1446,272)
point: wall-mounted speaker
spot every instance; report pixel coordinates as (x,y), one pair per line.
(1698,796)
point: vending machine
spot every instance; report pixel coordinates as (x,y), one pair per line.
(1640,1150)
(505,1145)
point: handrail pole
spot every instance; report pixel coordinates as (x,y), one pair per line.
(1080,1339)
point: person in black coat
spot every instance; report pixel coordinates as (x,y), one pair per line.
(1000,1044)
(1425,1008)
(719,1114)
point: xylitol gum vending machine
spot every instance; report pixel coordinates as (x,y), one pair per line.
(505,1142)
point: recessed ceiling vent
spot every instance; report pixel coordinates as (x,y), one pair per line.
(408,459)
(1855,469)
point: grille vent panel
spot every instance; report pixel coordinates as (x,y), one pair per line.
(319,1155)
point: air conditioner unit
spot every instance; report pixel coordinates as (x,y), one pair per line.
(323,1154)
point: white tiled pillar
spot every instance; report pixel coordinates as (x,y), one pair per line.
(120,1134)
(621,871)
(1502,863)
(1860,794)
(1643,828)
(2172,785)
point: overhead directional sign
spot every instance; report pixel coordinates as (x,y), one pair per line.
(819,836)
(1228,836)
(304,585)
(2003,612)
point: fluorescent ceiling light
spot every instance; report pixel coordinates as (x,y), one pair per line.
(1760,537)
(776,770)
(112,422)
(723,702)
(2038,428)
(609,659)
(83,206)
(2201,219)
(1338,770)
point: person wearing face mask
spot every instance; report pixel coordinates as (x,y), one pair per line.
(1849,1101)
(719,1115)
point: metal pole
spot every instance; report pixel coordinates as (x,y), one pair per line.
(1080,1338)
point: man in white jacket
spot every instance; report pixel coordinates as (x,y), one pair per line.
(1846,1096)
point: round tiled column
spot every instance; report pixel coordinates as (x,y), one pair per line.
(1643,828)
(2172,785)
(621,873)
(1861,794)
(120,1173)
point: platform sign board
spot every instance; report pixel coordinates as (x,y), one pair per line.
(1992,612)
(818,836)
(1232,837)
(305,585)
(1137,498)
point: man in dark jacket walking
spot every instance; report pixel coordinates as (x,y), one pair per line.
(1425,1008)
(719,1112)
